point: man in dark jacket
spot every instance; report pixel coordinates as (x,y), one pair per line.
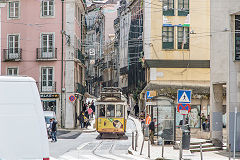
(152,130)
(136,108)
(81,119)
(93,108)
(54,130)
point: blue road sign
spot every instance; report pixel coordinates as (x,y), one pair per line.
(148,95)
(184,96)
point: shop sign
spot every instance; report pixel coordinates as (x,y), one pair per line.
(49,95)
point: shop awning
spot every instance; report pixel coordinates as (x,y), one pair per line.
(169,88)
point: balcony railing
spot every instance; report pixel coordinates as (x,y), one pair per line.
(47,86)
(80,56)
(46,54)
(80,88)
(12,54)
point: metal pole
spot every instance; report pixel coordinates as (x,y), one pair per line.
(234,138)
(133,140)
(180,150)
(148,148)
(201,151)
(142,146)
(162,147)
(136,138)
(229,150)
(62,67)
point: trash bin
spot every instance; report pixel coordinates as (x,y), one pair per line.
(186,139)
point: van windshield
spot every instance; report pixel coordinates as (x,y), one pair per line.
(47,119)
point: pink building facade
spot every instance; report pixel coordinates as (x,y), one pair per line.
(37,40)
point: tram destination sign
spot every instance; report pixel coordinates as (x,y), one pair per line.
(49,95)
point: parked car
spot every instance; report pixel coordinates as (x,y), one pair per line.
(23,130)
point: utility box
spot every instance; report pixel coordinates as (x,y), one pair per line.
(186,139)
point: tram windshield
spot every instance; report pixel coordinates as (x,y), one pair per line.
(110,110)
(119,110)
(102,110)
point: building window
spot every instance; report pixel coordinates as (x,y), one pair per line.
(12,71)
(237,37)
(183,7)
(47,84)
(47,44)
(183,37)
(168,38)
(168,7)
(48,8)
(14,10)
(13,47)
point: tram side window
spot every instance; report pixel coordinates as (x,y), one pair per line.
(119,110)
(110,110)
(101,110)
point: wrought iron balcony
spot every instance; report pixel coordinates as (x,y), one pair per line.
(46,54)
(12,54)
(47,86)
(80,88)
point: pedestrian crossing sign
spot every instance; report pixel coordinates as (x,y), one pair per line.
(184,96)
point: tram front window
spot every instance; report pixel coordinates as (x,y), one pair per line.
(119,110)
(101,110)
(110,110)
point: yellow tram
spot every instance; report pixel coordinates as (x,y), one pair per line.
(111,112)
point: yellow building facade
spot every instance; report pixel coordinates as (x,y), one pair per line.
(177,49)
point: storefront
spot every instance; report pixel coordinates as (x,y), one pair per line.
(50,102)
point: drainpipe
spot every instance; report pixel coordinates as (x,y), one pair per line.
(1,6)
(62,68)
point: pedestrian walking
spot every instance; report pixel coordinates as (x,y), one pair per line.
(136,109)
(81,119)
(203,118)
(152,130)
(142,118)
(90,111)
(148,120)
(84,108)
(93,107)
(54,130)
(128,109)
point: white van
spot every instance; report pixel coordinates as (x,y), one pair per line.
(23,134)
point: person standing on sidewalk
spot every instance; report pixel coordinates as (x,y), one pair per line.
(152,130)
(81,119)
(147,122)
(136,109)
(54,130)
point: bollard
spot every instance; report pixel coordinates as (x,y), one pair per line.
(229,150)
(162,147)
(180,150)
(201,155)
(142,146)
(133,140)
(148,148)
(136,142)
